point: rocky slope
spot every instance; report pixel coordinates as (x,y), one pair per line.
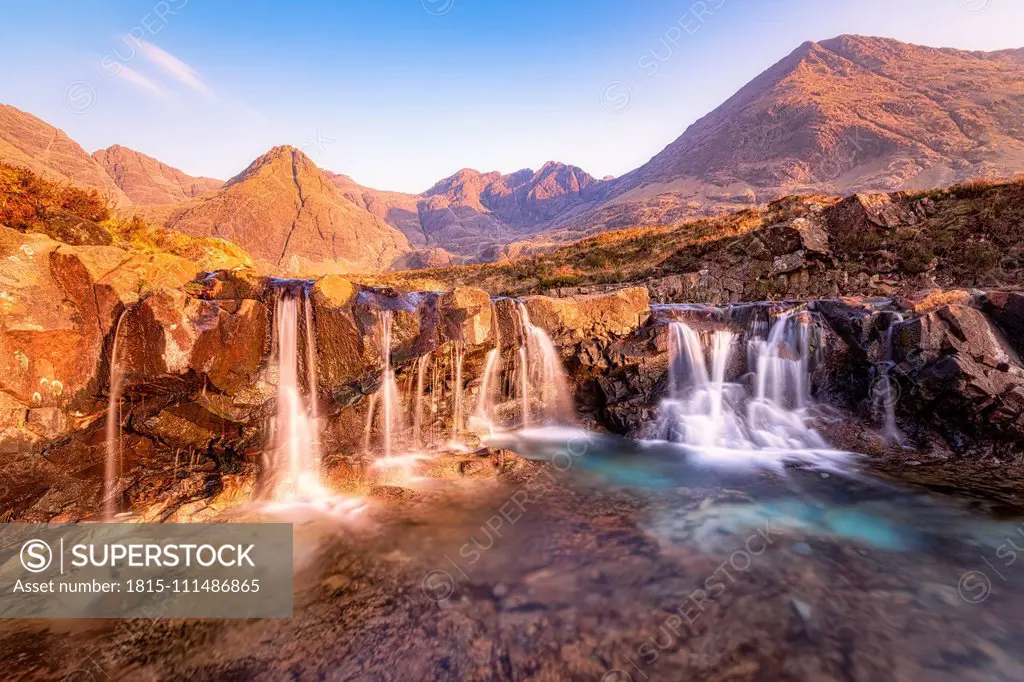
(200,373)
(29,142)
(148,181)
(194,325)
(290,217)
(843,115)
(873,244)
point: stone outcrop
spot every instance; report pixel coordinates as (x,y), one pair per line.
(962,370)
(600,315)
(197,354)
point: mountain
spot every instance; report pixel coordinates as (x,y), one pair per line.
(838,116)
(147,181)
(31,143)
(285,212)
(471,212)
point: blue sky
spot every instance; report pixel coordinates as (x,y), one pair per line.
(400,93)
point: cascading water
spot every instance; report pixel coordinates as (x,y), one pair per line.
(312,375)
(720,419)
(484,415)
(490,390)
(458,357)
(385,405)
(421,374)
(536,385)
(112,466)
(545,395)
(883,395)
(295,435)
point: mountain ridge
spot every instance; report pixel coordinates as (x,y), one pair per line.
(837,116)
(146,180)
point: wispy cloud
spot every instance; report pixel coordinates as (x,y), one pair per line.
(173,66)
(137,79)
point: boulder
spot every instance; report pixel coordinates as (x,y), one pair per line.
(334,291)
(962,371)
(878,209)
(613,314)
(1006,309)
(465,316)
(53,319)
(229,285)
(68,228)
(954,329)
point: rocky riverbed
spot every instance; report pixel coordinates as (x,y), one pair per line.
(517,569)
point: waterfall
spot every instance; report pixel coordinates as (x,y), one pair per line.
(536,384)
(490,391)
(421,374)
(543,382)
(484,415)
(312,375)
(720,418)
(385,404)
(112,467)
(883,396)
(295,427)
(458,356)
(524,386)
(782,361)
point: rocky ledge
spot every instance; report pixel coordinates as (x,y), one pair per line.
(189,357)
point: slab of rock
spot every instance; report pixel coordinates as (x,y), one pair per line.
(466,315)
(613,314)
(1006,309)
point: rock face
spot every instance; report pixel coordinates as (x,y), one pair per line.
(29,142)
(599,315)
(289,216)
(197,355)
(59,305)
(962,371)
(147,181)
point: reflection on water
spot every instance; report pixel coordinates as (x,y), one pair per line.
(831,497)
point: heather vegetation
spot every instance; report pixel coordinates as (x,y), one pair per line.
(76,216)
(967,235)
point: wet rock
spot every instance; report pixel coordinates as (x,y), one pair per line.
(963,371)
(236,284)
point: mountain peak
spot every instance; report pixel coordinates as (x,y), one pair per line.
(283,160)
(286,212)
(30,142)
(148,181)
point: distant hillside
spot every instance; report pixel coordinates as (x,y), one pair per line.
(969,235)
(849,114)
(473,213)
(31,143)
(148,181)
